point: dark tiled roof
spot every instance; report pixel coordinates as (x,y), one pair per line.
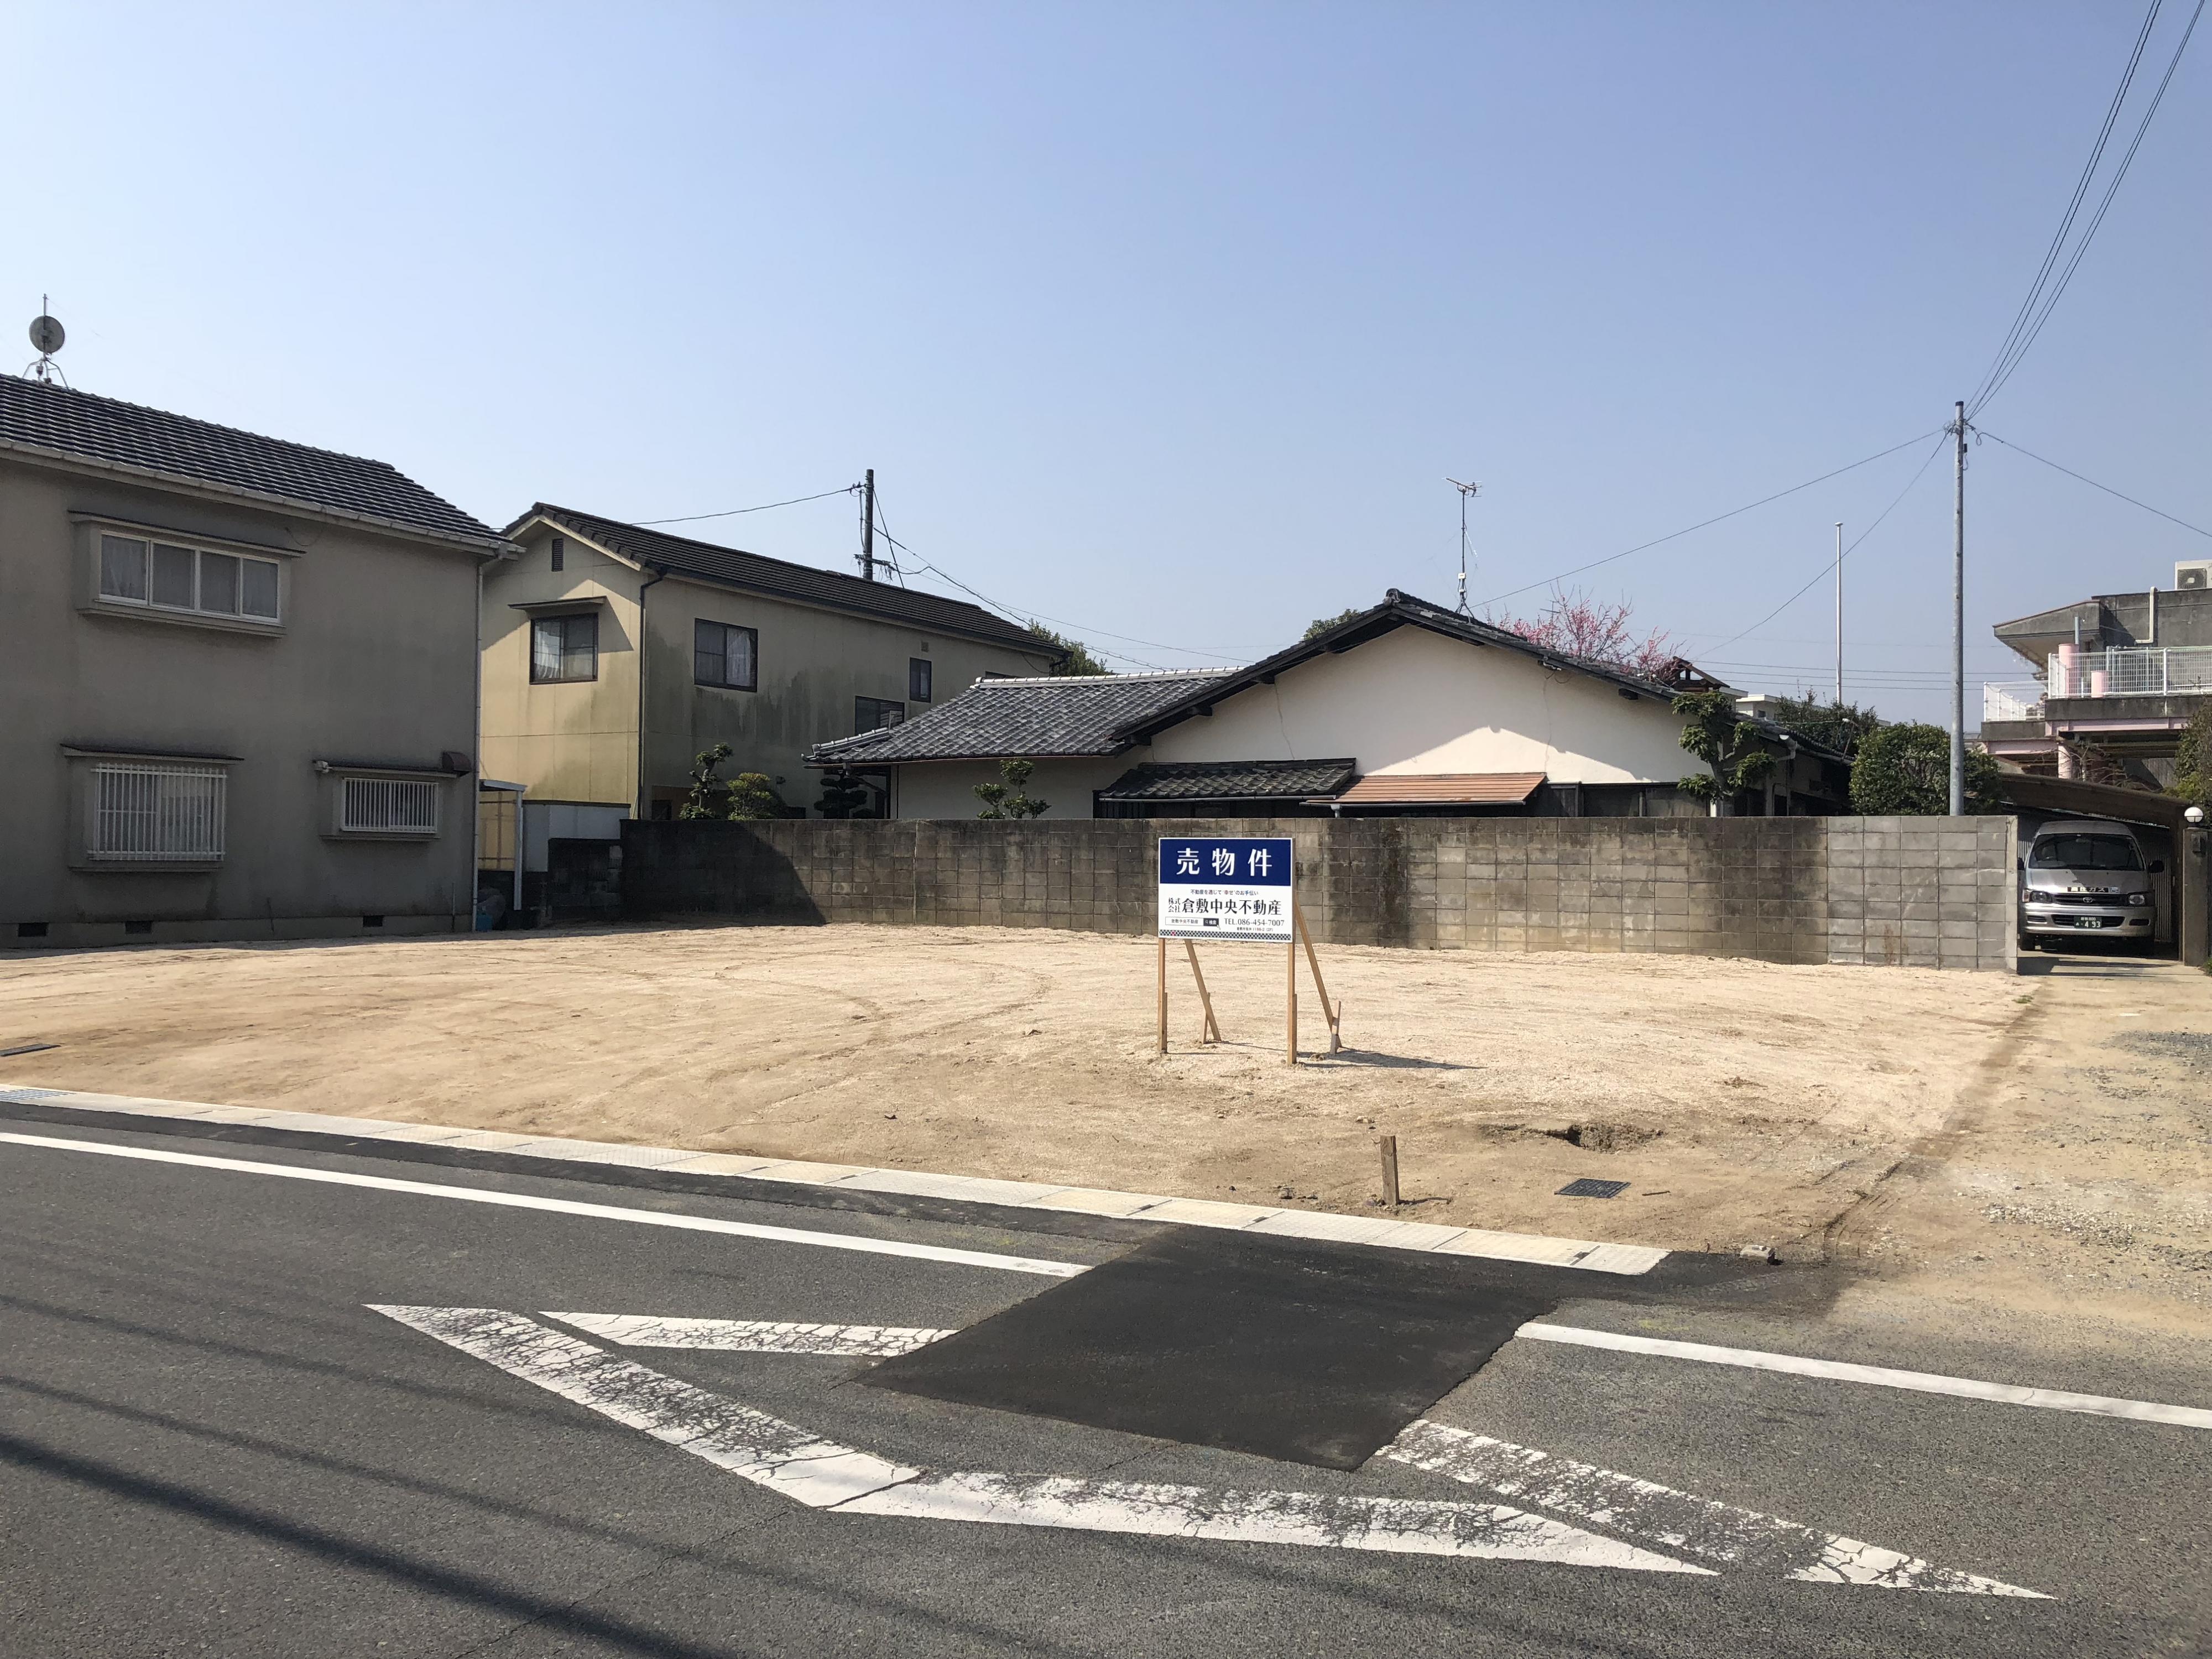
(1079,715)
(53,420)
(1231,779)
(731,567)
(1397,610)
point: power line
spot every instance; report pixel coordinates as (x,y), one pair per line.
(732,513)
(1832,564)
(2073,206)
(2020,350)
(2093,484)
(1704,524)
(1023,614)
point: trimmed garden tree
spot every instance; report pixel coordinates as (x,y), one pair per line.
(1905,771)
(1734,759)
(843,795)
(1006,800)
(708,791)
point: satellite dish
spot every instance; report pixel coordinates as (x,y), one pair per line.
(46,334)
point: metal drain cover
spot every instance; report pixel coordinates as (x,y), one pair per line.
(1590,1187)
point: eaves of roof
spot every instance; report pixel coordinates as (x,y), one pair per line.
(717,566)
(1397,610)
(79,432)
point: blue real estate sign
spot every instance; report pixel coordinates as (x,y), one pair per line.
(1226,888)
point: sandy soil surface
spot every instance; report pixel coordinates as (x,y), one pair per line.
(2074,1183)
(1744,1102)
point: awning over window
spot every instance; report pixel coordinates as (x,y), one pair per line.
(1200,780)
(1439,789)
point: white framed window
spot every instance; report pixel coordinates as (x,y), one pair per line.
(155,812)
(168,575)
(388,806)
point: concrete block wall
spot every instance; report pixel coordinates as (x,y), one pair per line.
(1922,892)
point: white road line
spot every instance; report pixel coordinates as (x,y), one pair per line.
(824,1475)
(1964,1388)
(1676,1520)
(752,1335)
(765,1449)
(1396,1525)
(697,1224)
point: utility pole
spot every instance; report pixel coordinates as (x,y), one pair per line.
(867,560)
(1840,613)
(1465,490)
(1959,619)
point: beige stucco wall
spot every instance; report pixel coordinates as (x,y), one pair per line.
(578,742)
(375,661)
(1415,701)
(572,740)
(947,789)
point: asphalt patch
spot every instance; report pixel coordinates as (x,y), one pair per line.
(1309,1353)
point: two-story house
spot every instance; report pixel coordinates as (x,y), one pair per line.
(2117,675)
(614,654)
(239,684)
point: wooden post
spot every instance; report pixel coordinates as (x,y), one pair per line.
(1333,1012)
(1388,1145)
(1290,985)
(1212,1033)
(1163,993)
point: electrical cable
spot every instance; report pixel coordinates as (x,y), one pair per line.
(1020,614)
(1732,513)
(2073,207)
(2093,484)
(2110,190)
(693,518)
(1845,554)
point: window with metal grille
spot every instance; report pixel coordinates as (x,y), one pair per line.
(724,655)
(389,806)
(919,678)
(152,813)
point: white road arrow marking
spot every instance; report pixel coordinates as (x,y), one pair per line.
(824,1475)
(1660,1515)
(752,1335)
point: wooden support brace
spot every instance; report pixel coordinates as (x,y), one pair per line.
(1332,1011)
(1212,1032)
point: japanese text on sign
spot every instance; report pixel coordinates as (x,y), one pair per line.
(1220,887)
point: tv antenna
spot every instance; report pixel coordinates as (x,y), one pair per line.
(48,335)
(1467,491)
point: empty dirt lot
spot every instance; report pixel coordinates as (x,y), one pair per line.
(1744,1102)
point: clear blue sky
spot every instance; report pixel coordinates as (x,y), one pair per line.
(1168,321)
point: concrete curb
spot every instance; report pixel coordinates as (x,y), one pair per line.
(1379,1232)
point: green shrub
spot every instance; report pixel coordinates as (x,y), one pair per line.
(1905,771)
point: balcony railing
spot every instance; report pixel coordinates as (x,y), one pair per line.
(2129,671)
(2022,700)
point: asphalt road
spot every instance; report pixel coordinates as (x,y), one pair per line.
(213,1442)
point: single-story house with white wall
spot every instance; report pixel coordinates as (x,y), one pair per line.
(1407,707)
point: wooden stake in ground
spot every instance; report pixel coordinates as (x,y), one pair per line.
(1387,1144)
(1292,987)
(1212,1033)
(1163,995)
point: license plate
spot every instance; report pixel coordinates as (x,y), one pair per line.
(2088,922)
